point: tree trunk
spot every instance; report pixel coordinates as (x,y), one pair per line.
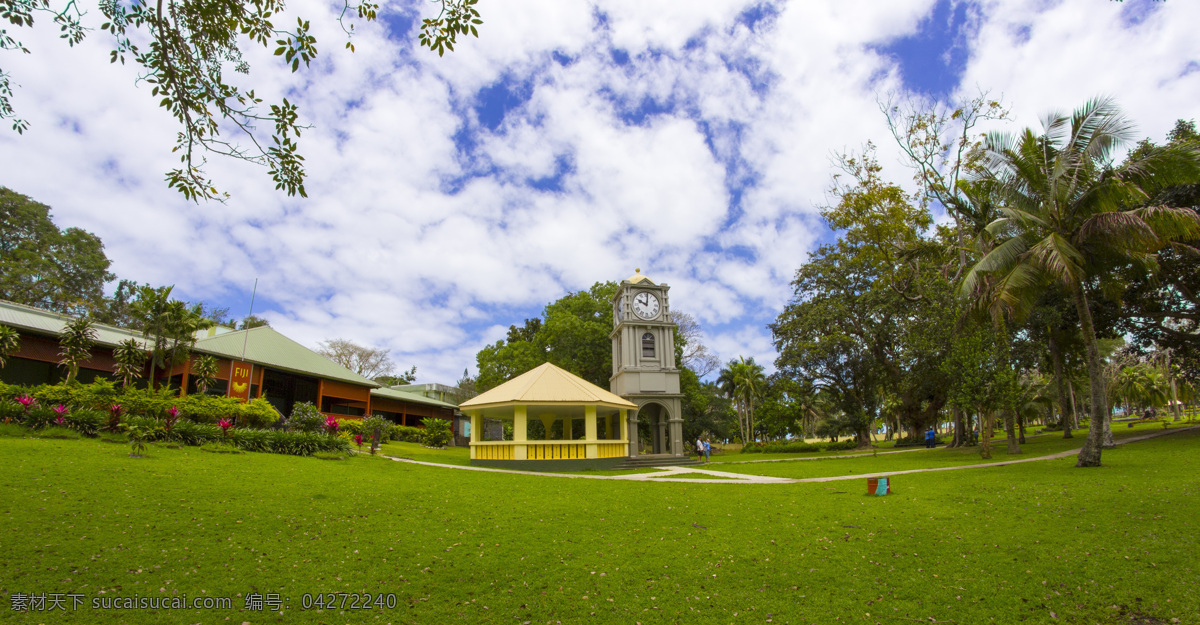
(1109,443)
(1089,455)
(956,437)
(1056,358)
(985,430)
(1021,429)
(1010,431)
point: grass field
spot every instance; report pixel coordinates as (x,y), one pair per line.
(1039,542)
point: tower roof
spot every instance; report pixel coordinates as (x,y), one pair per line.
(638,278)
(547,384)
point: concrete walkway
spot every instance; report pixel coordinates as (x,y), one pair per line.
(679,474)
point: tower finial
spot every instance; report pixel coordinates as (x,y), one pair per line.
(638,270)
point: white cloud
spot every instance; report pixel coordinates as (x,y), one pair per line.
(702,160)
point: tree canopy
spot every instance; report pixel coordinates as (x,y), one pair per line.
(42,266)
(183,50)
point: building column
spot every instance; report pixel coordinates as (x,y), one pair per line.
(630,425)
(589,432)
(566,435)
(520,449)
(676,427)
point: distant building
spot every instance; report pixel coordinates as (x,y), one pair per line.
(259,362)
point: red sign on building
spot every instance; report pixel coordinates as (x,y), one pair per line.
(239,380)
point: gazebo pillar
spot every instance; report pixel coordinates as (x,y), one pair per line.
(475,422)
(520,449)
(589,433)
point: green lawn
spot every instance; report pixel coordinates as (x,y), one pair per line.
(1038,542)
(416,451)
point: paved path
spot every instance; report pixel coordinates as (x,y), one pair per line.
(678,474)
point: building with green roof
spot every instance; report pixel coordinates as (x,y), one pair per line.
(259,362)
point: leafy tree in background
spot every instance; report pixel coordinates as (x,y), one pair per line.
(693,353)
(45,267)
(365,361)
(10,343)
(405,377)
(1161,308)
(75,346)
(572,334)
(183,49)
(1066,219)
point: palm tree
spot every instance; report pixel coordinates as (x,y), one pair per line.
(743,381)
(10,342)
(76,342)
(130,361)
(1067,219)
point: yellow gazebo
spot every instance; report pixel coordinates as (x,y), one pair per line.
(558,421)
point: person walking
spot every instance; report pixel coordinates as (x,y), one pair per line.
(700,449)
(930,438)
(707,451)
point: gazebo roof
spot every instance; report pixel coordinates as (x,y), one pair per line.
(546,384)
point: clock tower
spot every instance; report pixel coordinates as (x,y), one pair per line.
(644,367)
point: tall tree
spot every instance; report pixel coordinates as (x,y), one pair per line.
(744,382)
(184,48)
(170,324)
(43,266)
(1067,219)
(368,362)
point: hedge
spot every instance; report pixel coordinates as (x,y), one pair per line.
(798,448)
(101,394)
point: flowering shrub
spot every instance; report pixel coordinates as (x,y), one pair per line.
(114,418)
(305,418)
(61,419)
(331,426)
(225,424)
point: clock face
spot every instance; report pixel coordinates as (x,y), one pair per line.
(645,305)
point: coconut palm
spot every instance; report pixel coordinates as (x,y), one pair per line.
(1067,218)
(743,381)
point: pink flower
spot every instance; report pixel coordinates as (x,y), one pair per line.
(173,411)
(27,401)
(225,424)
(358,439)
(60,410)
(116,410)
(331,425)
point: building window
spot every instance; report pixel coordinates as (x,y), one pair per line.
(647,345)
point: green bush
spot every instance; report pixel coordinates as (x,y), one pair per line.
(39,417)
(349,426)
(375,421)
(306,418)
(437,433)
(10,410)
(190,433)
(406,434)
(797,447)
(86,421)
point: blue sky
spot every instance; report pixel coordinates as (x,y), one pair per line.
(573,142)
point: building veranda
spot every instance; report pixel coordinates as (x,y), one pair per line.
(549,419)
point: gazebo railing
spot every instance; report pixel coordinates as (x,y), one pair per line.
(548,450)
